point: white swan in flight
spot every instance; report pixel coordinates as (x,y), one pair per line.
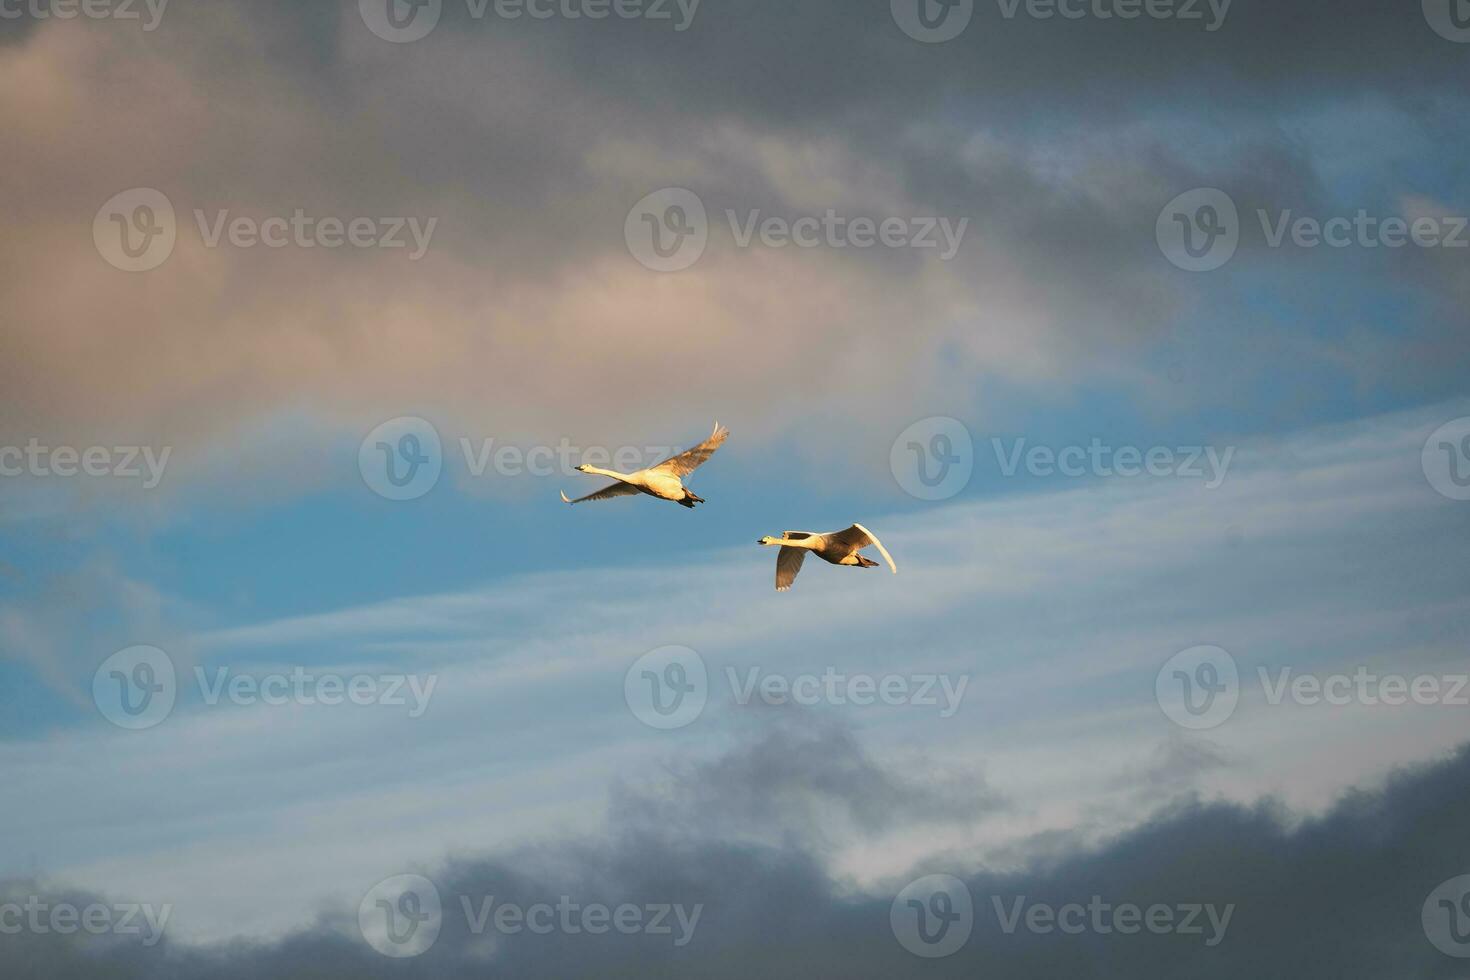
(836,547)
(664,481)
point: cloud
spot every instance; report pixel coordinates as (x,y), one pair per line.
(1336,896)
(530,141)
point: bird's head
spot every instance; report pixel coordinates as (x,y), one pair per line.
(768,540)
(582,468)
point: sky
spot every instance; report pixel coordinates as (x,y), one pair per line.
(1137,332)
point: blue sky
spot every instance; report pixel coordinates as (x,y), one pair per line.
(1311,377)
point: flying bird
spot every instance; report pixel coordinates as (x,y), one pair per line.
(665,481)
(836,547)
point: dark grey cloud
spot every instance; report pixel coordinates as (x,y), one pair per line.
(1338,896)
(530,140)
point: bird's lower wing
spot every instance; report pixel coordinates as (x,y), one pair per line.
(872,539)
(788,563)
(685,463)
(606,493)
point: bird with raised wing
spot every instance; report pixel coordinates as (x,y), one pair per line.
(835,547)
(665,481)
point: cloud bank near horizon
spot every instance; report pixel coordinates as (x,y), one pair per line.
(1249,891)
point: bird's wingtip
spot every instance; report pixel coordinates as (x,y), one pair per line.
(564,498)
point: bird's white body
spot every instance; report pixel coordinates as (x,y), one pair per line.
(664,481)
(665,486)
(834,547)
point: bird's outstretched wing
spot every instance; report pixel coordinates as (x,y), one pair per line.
(606,493)
(687,462)
(858,536)
(788,563)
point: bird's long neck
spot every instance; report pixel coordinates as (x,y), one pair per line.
(611,474)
